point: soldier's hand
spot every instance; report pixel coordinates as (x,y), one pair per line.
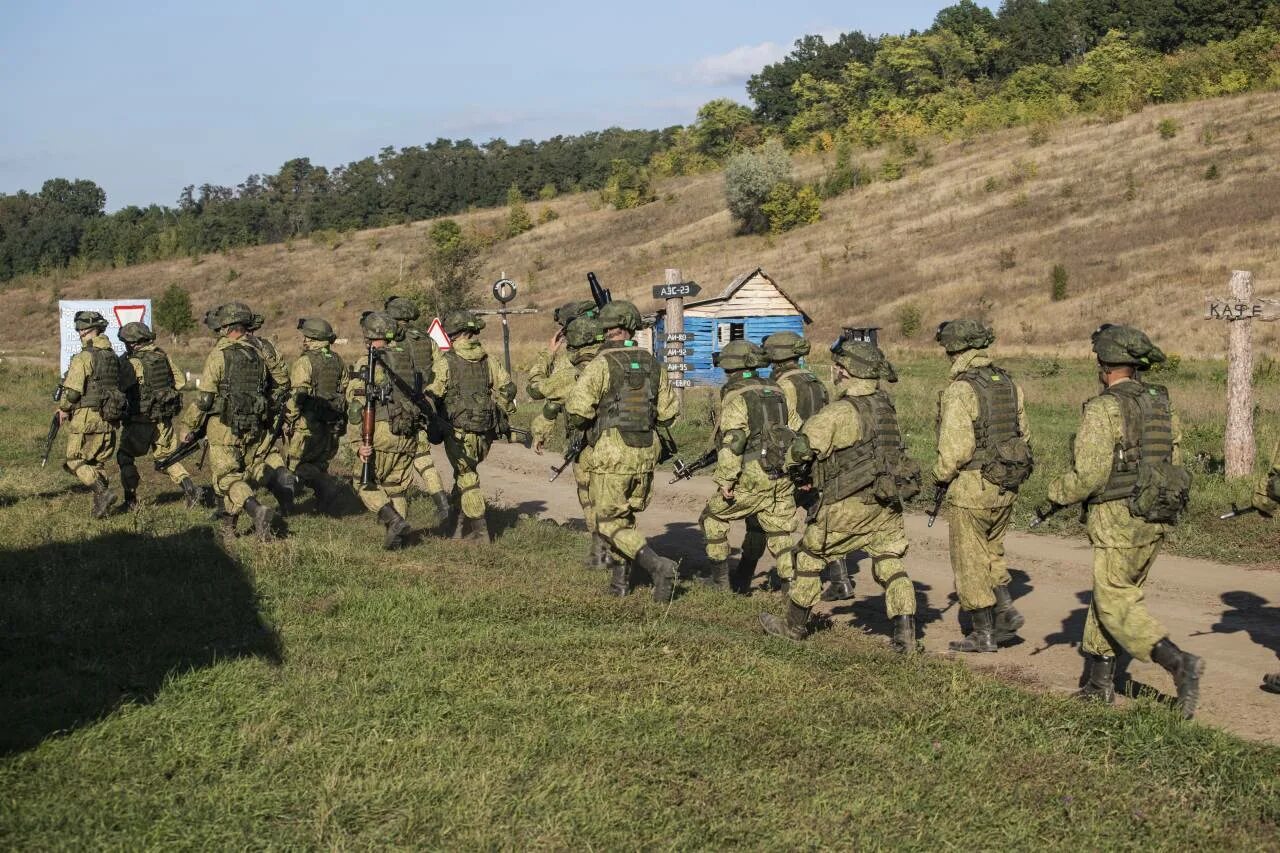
(62,415)
(186,437)
(726,492)
(364,452)
(538,445)
(557,341)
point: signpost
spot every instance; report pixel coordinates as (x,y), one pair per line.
(674,291)
(117,312)
(504,290)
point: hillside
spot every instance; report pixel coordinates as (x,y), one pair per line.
(1142,229)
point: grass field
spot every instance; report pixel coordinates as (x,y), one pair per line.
(161,692)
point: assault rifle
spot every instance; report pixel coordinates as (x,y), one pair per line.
(577,442)
(1044,513)
(684,472)
(601,296)
(437,427)
(369,417)
(194,442)
(939,495)
(507,431)
(1237,512)
(54,425)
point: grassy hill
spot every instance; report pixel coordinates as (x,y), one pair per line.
(1145,227)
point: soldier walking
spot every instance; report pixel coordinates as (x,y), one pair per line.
(316,412)
(92,406)
(984,457)
(863,475)
(1127,471)
(152,384)
(620,401)
(268,466)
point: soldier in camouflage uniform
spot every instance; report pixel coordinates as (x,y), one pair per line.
(583,337)
(621,400)
(268,467)
(753,438)
(861,469)
(152,383)
(92,406)
(982,424)
(1127,471)
(316,411)
(555,358)
(478,397)
(429,363)
(395,432)
(232,400)
(1266,500)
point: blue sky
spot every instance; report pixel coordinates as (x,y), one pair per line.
(145,98)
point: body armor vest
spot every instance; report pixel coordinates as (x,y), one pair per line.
(630,405)
(853,470)
(468,398)
(158,398)
(325,402)
(766,411)
(811,394)
(1146,436)
(242,402)
(997,412)
(420,348)
(102,391)
(398,410)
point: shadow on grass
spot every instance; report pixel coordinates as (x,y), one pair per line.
(88,626)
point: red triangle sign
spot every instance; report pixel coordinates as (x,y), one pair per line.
(436,333)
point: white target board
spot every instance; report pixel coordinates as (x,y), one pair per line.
(116,312)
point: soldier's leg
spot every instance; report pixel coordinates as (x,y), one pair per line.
(135,440)
(753,545)
(466,480)
(776,521)
(227,468)
(714,521)
(1007,620)
(164,443)
(597,556)
(969,532)
(607,494)
(805,587)
(428,478)
(886,546)
(1117,615)
(395,476)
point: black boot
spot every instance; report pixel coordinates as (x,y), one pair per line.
(1186,670)
(283,487)
(194,496)
(441,502)
(841,586)
(477,530)
(327,492)
(597,553)
(753,545)
(103,498)
(619,574)
(717,575)
(129,501)
(904,635)
(397,528)
(263,518)
(795,627)
(227,527)
(1271,682)
(981,638)
(1098,681)
(661,569)
(1007,618)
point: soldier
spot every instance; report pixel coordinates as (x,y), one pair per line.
(1266,500)
(621,399)
(316,411)
(753,439)
(232,401)
(806,395)
(984,456)
(429,363)
(554,359)
(92,405)
(152,383)
(268,466)
(864,475)
(478,399)
(395,432)
(583,336)
(1127,472)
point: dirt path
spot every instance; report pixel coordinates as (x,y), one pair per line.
(1238,607)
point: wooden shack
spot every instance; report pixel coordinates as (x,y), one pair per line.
(752,307)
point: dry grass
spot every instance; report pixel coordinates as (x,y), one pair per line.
(1143,235)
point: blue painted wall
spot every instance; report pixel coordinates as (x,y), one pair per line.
(705,340)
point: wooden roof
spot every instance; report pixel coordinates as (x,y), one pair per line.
(736,285)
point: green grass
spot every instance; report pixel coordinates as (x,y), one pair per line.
(161,692)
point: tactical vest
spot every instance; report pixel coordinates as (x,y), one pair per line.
(468,397)
(276,391)
(997,412)
(766,411)
(158,397)
(398,411)
(811,394)
(325,402)
(420,347)
(102,392)
(241,395)
(630,403)
(1146,418)
(853,470)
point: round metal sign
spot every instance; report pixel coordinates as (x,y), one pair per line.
(504,290)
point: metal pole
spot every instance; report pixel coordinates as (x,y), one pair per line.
(506,341)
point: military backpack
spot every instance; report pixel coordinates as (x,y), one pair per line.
(102,392)
(768,437)
(159,399)
(1142,469)
(468,397)
(1001,452)
(630,404)
(878,465)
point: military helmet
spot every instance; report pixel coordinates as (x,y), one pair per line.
(742,355)
(620,315)
(316,329)
(785,346)
(460,320)
(136,333)
(379,326)
(583,332)
(90,320)
(960,335)
(864,360)
(570,311)
(1125,345)
(230,314)
(256,323)
(401,308)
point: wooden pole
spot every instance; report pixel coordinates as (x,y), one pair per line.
(675,324)
(1240,450)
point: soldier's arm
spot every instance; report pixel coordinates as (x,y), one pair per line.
(956,442)
(668,404)
(732,430)
(1095,444)
(1176,428)
(300,383)
(539,373)
(202,403)
(73,383)
(820,429)
(587,392)
(789,394)
(504,390)
(179,377)
(130,370)
(439,372)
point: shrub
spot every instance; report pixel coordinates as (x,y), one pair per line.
(1167,128)
(1007,259)
(891,170)
(749,179)
(1046,367)
(1171,364)
(991,184)
(909,320)
(518,219)
(1130,185)
(547,192)
(548,215)
(232,274)
(1212,173)
(1058,283)
(629,186)
(173,311)
(1039,136)
(790,207)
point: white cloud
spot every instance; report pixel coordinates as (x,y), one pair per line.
(736,65)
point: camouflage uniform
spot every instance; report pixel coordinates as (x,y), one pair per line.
(981,407)
(621,399)
(1124,545)
(315,413)
(94,405)
(267,465)
(549,362)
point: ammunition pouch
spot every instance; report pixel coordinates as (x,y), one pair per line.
(1273,487)
(242,413)
(551,410)
(1010,465)
(898,483)
(1161,492)
(204,401)
(735,440)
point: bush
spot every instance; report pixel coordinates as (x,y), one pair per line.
(749,180)
(518,219)
(1046,367)
(892,170)
(1058,283)
(1007,259)
(548,215)
(790,207)
(629,186)
(1167,128)
(1212,173)
(909,320)
(547,192)
(1171,364)
(173,311)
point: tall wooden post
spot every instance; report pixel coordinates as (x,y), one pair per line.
(1240,450)
(675,324)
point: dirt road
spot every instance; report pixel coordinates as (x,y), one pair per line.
(1237,607)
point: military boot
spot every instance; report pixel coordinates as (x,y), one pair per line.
(227,527)
(1186,670)
(795,627)
(103,498)
(619,574)
(263,518)
(193,493)
(1007,618)
(841,586)
(477,530)
(129,501)
(1099,679)
(661,569)
(717,575)
(753,545)
(904,635)
(397,528)
(981,638)
(327,493)
(1271,682)
(597,553)
(283,487)
(441,503)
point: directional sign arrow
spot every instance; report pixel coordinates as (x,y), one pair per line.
(678,366)
(676,291)
(679,353)
(681,383)
(678,337)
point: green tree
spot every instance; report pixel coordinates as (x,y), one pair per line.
(173,312)
(518,219)
(790,207)
(629,186)
(453,262)
(749,179)
(723,127)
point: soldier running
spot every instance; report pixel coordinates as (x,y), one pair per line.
(92,406)
(268,466)
(316,412)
